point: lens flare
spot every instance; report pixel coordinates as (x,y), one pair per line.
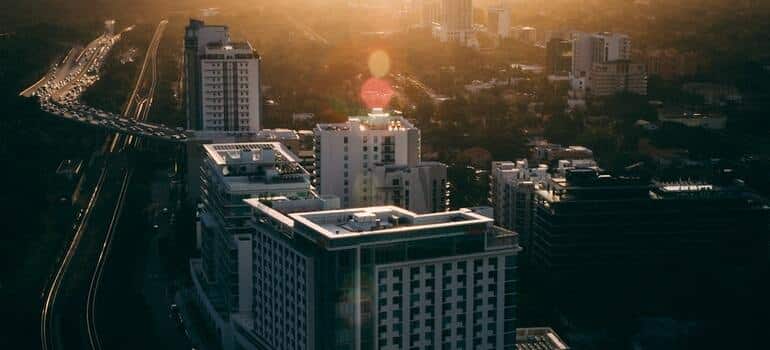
(376,93)
(379,63)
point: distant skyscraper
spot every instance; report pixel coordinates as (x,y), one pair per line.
(456,22)
(379,278)
(499,21)
(558,57)
(430,12)
(376,160)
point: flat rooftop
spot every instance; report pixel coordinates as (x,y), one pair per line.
(277,134)
(376,120)
(219,152)
(539,338)
(382,220)
(233,45)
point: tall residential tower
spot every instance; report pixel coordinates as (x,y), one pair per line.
(221,82)
(455,22)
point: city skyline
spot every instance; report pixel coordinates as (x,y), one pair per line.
(427,174)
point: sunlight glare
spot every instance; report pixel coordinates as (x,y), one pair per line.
(379,63)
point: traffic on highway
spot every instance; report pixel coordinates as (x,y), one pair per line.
(60,90)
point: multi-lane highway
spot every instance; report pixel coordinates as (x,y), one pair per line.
(138,108)
(59,92)
(69,318)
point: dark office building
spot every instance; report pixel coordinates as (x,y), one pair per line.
(609,226)
(558,56)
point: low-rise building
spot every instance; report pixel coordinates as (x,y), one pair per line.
(671,64)
(546,152)
(714,94)
(618,76)
(694,119)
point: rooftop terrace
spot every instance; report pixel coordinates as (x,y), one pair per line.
(376,120)
(539,338)
(220,152)
(267,154)
(382,220)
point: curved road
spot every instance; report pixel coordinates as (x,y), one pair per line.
(64,322)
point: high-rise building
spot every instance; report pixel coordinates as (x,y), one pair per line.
(430,12)
(231,97)
(222,81)
(230,174)
(595,48)
(499,21)
(456,22)
(609,47)
(378,278)
(376,160)
(197,36)
(558,57)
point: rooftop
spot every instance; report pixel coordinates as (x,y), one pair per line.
(592,185)
(232,45)
(231,49)
(376,120)
(341,229)
(540,338)
(383,220)
(219,152)
(277,134)
(268,154)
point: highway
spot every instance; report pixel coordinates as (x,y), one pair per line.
(139,106)
(404,79)
(69,314)
(59,91)
(306,30)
